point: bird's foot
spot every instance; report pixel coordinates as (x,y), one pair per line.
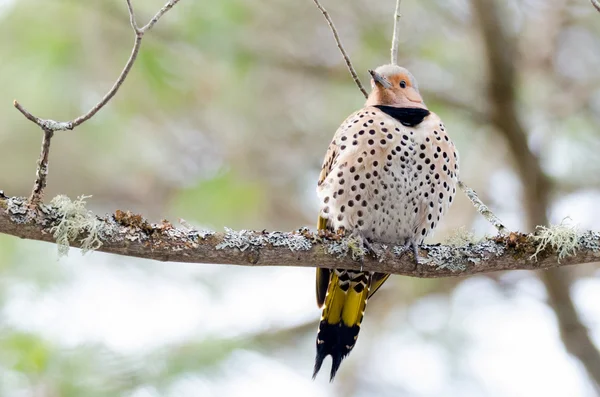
(415,249)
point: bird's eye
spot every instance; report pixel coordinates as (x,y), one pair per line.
(403,84)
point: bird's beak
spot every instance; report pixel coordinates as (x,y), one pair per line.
(379,79)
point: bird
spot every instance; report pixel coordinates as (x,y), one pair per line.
(389,175)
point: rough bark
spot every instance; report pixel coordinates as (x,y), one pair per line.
(127,234)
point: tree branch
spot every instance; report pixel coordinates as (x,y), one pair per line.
(128,234)
(482,208)
(396,35)
(50,126)
(341,47)
(596,4)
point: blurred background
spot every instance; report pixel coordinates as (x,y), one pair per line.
(224,121)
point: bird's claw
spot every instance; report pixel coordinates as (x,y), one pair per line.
(415,250)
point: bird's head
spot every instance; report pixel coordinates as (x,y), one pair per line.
(392,85)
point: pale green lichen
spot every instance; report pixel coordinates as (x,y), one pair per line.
(345,246)
(563,238)
(74,220)
(461,236)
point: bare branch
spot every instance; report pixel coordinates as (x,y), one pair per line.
(158,15)
(596,4)
(482,208)
(396,34)
(132,17)
(50,126)
(139,33)
(131,235)
(341,47)
(110,94)
(41,173)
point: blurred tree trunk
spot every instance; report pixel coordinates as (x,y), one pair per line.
(502,86)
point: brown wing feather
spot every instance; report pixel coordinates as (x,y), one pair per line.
(323,275)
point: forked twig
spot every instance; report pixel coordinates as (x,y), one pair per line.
(50,126)
(341,47)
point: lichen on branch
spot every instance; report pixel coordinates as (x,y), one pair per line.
(69,224)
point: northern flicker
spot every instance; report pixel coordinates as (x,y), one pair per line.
(389,175)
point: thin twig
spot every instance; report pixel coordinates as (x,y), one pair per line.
(482,208)
(132,17)
(42,170)
(110,94)
(341,47)
(50,126)
(596,4)
(158,15)
(139,32)
(396,33)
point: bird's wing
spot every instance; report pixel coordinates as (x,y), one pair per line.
(323,275)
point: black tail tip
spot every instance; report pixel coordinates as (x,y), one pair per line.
(335,365)
(335,340)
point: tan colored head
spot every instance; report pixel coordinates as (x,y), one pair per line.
(393,85)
